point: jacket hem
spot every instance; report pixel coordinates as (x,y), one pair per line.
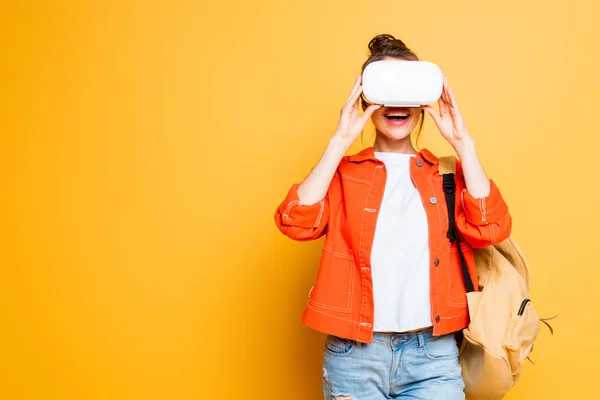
(342,327)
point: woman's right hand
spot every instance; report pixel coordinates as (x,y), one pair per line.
(316,184)
(350,124)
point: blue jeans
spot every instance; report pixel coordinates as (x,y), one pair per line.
(416,366)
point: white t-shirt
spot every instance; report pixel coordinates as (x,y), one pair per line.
(400,255)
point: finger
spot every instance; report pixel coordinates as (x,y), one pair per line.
(355,96)
(355,88)
(354,112)
(451,99)
(369,111)
(433,112)
(442,104)
(352,102)
(444,95)
(354,107)
(449,95)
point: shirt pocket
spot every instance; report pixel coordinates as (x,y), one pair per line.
(334,283)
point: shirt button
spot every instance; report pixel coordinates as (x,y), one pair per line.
(436,262)
(437,318)
(419,163)
(433,200)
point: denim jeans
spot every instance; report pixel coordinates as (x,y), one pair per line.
(415,366)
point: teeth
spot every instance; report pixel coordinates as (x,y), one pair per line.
(396,115)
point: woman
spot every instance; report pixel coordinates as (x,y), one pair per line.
(389,292)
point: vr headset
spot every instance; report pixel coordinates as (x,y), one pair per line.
(400,83)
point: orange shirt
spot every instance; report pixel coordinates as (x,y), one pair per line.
(341,301)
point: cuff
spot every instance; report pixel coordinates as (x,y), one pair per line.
(484,210)
(301,215)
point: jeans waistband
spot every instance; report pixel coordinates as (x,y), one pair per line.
(389,337)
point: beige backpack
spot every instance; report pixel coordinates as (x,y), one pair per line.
(503,321)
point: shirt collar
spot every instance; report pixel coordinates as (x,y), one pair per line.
(369,154)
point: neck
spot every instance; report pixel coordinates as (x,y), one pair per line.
(385,144)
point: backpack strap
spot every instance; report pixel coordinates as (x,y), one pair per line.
(447,167)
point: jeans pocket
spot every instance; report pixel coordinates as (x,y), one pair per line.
(339,346)
(441,347)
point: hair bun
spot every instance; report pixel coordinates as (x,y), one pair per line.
(383,42)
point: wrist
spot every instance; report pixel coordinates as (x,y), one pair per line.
(339,143)
(465,147)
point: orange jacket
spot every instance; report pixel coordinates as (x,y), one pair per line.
(341,301)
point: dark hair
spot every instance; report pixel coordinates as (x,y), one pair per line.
(384,46)
(387,46)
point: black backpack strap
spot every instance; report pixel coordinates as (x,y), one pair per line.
(449,192)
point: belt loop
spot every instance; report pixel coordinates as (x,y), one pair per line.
(421,338)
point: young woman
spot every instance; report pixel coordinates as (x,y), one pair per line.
(389,292)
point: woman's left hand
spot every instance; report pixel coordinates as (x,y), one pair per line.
(449,119)
(452,127)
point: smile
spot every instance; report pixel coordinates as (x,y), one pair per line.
(397,118)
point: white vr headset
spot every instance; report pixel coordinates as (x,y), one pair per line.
(401,83)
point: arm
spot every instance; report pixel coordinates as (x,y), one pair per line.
(304,213)
(482,215)
(482,220)
(314,187)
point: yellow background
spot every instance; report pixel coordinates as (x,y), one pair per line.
(145,146)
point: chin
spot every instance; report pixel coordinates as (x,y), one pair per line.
(395,134)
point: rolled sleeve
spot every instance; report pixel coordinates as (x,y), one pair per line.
(301,221)
(484,210)
(301,215)
(483,221)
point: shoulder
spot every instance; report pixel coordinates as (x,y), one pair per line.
(358,160)
(358,167)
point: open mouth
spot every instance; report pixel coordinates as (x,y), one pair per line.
(397,117)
